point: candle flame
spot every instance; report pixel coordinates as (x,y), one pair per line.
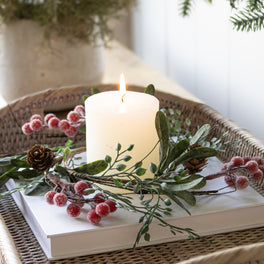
(122,86)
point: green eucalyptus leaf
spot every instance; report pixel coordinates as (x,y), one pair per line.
(26,174)
(127,158)
(188,121)
(108,159)
(95,90)
(188,197)
(167,202)
(150,89)
(128,184)
(5,176)
(141,219)
(201,134)
(5,161)
(5,168)
(179,148)
(136,188)
(145,228)
(82,129)
(61,170)
(173,197)
(162,128)
(201,184)
(196,153)
(118,183)
(84,97)
(3,180)
(146,202)
(164,186)
(32,188)
(174,152)
(118,147)
(68,143)
(147,237)
(141,196)
(89,191)
(35,186)
(92,168)
(138,164)
(120,167)
(177,178)
(66,153)
(176,187)
(171,111)
(153,167)
(140,171)
(19,163)
(130,147)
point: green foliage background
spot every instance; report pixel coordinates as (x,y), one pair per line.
(73,19)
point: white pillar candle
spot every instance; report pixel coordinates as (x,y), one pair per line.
(122,117)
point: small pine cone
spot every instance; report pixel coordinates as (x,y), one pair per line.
(195,165)
(40,158)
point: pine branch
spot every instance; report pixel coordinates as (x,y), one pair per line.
(185,7)
(255,4)
(248,20)
(233,3)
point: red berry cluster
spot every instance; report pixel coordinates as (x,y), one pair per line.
(102,208)
(254,167)
(100,205)
(75,119)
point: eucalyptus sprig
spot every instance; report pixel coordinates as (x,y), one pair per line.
(156,193)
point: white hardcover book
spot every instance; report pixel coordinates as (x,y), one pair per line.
(62,236)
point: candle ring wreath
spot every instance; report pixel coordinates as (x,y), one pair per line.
(176,179)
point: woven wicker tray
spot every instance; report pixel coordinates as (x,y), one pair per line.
(29,251)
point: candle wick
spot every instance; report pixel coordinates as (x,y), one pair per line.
(122,98)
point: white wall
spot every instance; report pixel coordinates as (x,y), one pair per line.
(205,55)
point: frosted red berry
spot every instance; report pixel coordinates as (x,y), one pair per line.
(73,210)
(112,205)
(242,182)
(102,209)
(36,117)
(48,117)
(73,116)
(252,166)
(64,125)
(80,187)
(257,176)
(258,159)
(99,198)
(60,199)
(80,109)
(26,129)
(237,161)
(53,122)
(71,132)
(81,205)
(261,167)
(230,180)
(49,197)
(93,217)
(246,159)
(35,124)
(224,166)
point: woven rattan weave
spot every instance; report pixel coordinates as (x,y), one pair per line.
(224,247)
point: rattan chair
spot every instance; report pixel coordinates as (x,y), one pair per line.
(234,247)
